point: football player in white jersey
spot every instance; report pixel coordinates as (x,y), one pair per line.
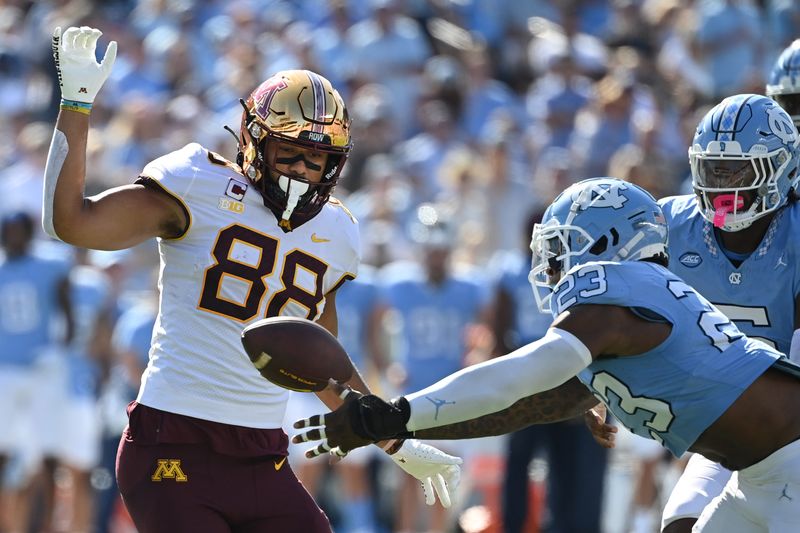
(204,449)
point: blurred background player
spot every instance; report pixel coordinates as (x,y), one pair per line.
(35,299)
(783,84)
(433,306)
(737,228)
(80,430)
(575,464)
(238,241)
(130,340)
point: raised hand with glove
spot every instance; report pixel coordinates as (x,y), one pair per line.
(79,74)
(80,77)
(364,420)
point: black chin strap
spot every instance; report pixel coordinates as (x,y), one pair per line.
(239,153)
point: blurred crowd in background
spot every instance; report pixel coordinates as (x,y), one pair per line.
(468,117)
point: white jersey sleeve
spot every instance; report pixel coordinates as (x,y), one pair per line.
(231,266)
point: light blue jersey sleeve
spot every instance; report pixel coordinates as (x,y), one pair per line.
(675,391)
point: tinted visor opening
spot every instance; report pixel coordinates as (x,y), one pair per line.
(726,174)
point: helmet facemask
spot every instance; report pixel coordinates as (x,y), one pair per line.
(735,189)
(553,255)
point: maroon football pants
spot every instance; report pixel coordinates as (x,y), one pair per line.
(178,487)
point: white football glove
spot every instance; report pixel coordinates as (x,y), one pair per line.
(438,472)
(79,73)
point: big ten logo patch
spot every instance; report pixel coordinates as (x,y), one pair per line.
(231,205)
(169,469)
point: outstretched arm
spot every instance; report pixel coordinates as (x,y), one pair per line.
(576,337)
(562,403)
(118,218)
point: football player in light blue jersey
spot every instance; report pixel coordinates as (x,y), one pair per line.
(435,306)
(738,230)
(357,314)
(628,332)
(34,295)
(130,343)
(735,240)
(81,431)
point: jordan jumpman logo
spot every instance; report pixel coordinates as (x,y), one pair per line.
(438,403)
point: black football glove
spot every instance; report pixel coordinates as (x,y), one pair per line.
(371,417)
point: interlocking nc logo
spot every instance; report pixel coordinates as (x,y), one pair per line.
(169,469)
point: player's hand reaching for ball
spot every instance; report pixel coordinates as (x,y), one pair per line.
(334,429)
(79,74)
(362,420)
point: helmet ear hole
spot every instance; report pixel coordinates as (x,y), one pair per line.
(600,246)
(614,236)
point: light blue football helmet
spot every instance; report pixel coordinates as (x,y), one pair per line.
(598,219)
(744,160)
(783,85)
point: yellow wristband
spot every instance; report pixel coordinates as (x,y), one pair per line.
(78,107)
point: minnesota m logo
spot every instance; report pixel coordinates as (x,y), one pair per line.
(170,469)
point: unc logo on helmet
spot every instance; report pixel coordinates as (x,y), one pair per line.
(744,161)
(781,125)
(599,219)
(601,195)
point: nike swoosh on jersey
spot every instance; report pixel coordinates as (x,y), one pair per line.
(314,238)
(279,464)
